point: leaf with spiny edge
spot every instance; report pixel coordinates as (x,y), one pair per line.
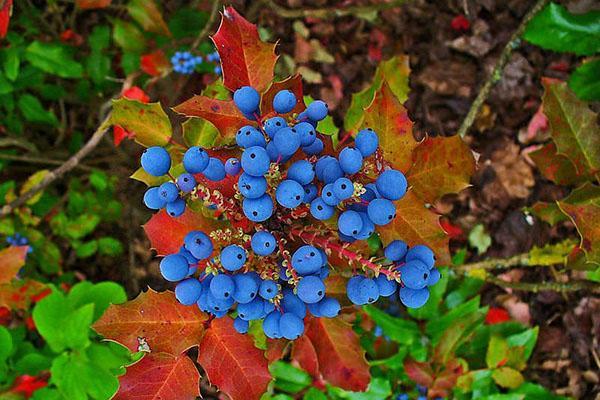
(12,259)
(148,121)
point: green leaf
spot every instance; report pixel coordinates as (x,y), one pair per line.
(378,389)
(435,328)
(6,344)
(98,67)
(33,111)
(314,394)
(109,246)
(288,378)
(533,391)
(527,339)
(54,59)
(12,63)
(87,249)
(397,329)
(149,122)
(99,39)
(497,351)
(5,86)
(31,182)
(585,81)
(187,22)
(101,295)
(480,239)
(507,377)
(555,28)
(128,36)
(33,364)
(551,254)
(199,132)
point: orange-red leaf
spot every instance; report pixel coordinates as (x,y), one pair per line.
(19,294)
(586,218)
(160,376)
(420,372)
(293,84)
(556,167)
(388,117)
(90,4)
(416,224)
(166,233)
(155,319)
(341,359)
(11,260)
(223,114)
(245,59)
(5,12)
(275,349)
(441,165)
(305,355)
(232,363)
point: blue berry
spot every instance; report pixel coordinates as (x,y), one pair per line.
(369,290)
(353,290)
(317,110)
(287,141)
(188,291)
(289,193)
(284,102)
(343,188)
(255,161)
(268,307)
(199,244)
(307,260)
(414,298)
(329,307)
(414,274)
(313,308)
(396,250)
(176,208)
(422,253)
(314,149)
(168,191)
(291,326)
(249,136)
(186,182)
(263,243)
(215,171)
(370,192)
(247,99)
(232,166)
(174,267)
(333,172)
(271,325)
(188,255)
(222,287)
(329,196)
(219,306)
(303,117)
(350,223)
(195,160)
(251,310)
(252,187)
(301,171)
(311,289)
(246,288)
(386,287)
(274,124)
(152,199)
(351,160)
(368,228)
(233,257)
(321,210)
(240,325)
(366,142)
(258,210)
(310,193)
(381,211)
(391,184)
(268,289)
(322,164)
(307,133)
(156,161)
(434,277)
(291,303)
(273,153)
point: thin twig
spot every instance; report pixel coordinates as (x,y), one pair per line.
(495,263)
(39,160)
(496,74)
(61,170)
(204,32)
(536,287)
(330,12)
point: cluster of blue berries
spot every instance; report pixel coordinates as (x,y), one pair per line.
(18,240)
(184,62)
(422,390)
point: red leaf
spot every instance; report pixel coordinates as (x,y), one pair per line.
(5,13)
(155,63)
(5,316)
(160,376)
(341,359)
(275,349)
(293,84)
(223,114)
(119,134)
(460,23)
(166,233)
(27,384)
(90,4)
(232,362)
(419,372)
(136,93)
(304,353)
(155,319)
(11,260)
(496,315)
(245,59)
(19,294)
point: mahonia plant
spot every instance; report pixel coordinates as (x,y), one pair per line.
(267,222)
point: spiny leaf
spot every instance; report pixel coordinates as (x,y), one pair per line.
(148,122)
(416,224)
(11,260)
(245,59)
(574,127)
(232,363)
(160,376)
(441,165)
(18,294)
(586,218)
(556,167)
(293,84)
(155,319)
(388,117)
(341,359)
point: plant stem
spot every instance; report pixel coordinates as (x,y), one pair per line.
(39,160)
(495,263)
(496,74)
(211,19)
(330,12)
(536,287)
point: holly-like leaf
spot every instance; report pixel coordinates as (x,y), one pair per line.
(223,114)
(147,14)
(91,4)
(556,167)
(152,319)
(232,363)
(245,59)
(388,117)
(574,127)
(305,355)
(341,359)
(586,218)
(293,84)
(19,294)
(416,224)
(420,372)
(441,165)
(5,13)
(11,260)
(166,233)
(160,376)
(148,122)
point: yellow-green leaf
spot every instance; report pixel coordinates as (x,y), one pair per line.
(497,352)
(31,182)
(507,377)
(148,122)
